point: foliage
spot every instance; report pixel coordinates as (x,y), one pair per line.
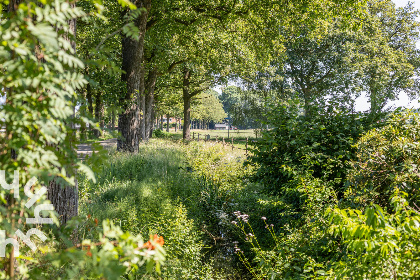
(158,133)
(387,160)
(40,75)
(320,146)
(246,108)
(378,245)
(385,57)
(154,192)
(116,254)
(38,95)
(208,107)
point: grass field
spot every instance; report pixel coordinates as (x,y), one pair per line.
(239,136)
(179,192)
(236,134)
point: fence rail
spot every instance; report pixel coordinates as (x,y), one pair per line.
(206,137)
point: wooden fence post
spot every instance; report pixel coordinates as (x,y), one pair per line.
(193,135)
(216,138)
(223,142)
(198,138)
(232,144)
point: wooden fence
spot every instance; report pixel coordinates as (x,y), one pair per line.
(206,137)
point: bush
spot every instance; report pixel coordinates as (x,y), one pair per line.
(387,159)
(158,133)
(321,146)
(378,245)
(304,163)
(379,221)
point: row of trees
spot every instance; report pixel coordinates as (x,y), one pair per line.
(137,53)
(186,47)
(337,64)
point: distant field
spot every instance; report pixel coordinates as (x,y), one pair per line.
(239,136)
(236,134)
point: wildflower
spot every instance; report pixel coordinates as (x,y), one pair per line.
(158,239)
(263,218)
(271,225)
(244,217)
(234,222)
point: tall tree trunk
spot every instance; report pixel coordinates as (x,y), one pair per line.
(82,111)
(167,123)
(186,133)
(89,104)
(161,122)
(307,100)
(141,103)
(130,123)
(65,198)
(152,124)
(150,91)
(99,112)
(113,118)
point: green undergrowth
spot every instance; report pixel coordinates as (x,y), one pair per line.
(186,193)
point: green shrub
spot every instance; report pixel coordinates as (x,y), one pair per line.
(378,222)
(378,245)
(387,159)
(320,146)
(159,133)
(303,163)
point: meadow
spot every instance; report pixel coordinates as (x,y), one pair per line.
(279,212)
(185,193)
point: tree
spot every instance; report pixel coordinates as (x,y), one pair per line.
(208,108)
(385,56)
(315,67)
(248,107)
(38,108)
(131,121)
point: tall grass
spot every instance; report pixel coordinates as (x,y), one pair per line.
(184,193)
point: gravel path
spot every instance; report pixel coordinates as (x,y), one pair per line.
(84,150)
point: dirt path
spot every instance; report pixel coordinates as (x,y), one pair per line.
(84,150)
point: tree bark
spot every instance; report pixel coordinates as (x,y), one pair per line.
(150,99)
(152,124)
(65,198)
(167,123)
(113,118)
(99,110)
(186,133)
(83,114)
(131,123)
(307,100)
(89,104)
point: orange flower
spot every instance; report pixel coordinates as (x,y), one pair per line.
(157,239)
